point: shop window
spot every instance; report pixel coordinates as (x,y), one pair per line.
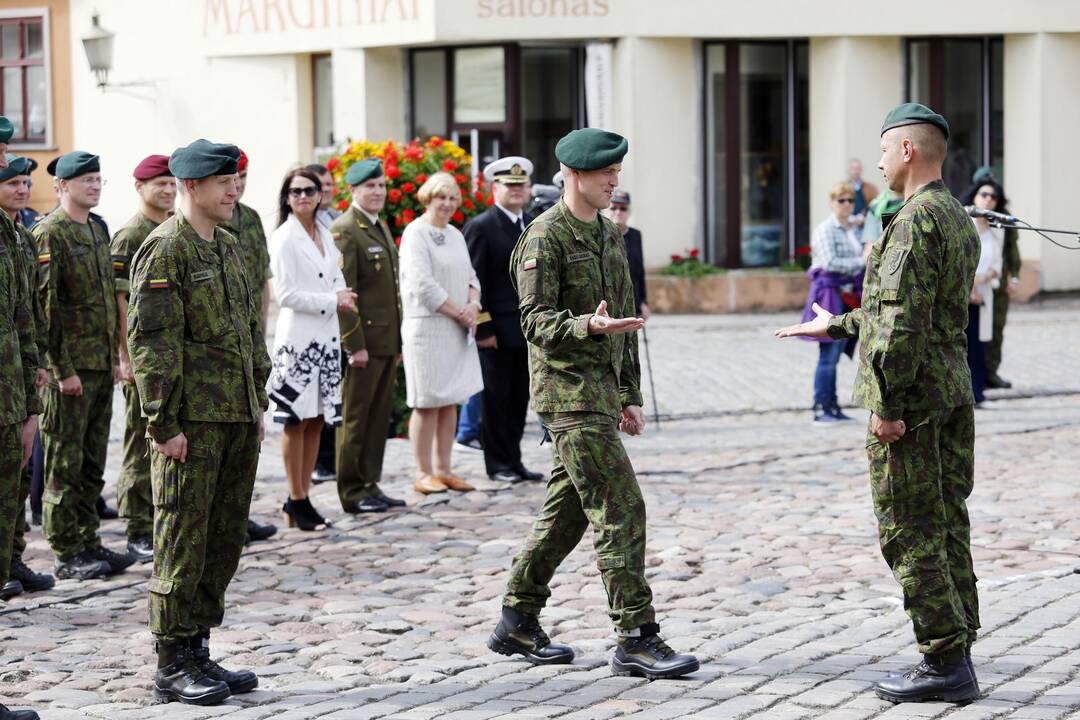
(24,90)
(429,93)
(480,85)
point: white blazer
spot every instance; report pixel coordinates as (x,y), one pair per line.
(306,377)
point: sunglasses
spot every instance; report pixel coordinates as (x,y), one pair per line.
(846,200)
(992,196)
(309,191)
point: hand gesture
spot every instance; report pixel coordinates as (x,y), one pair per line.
(887,431)
(633,420)
(71,386)
(816,328)
(175,447)
(359,359)
(346,299)
(603,324)
(127,373)
(467,314)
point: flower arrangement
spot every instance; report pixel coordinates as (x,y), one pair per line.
(408,166)
(689,266)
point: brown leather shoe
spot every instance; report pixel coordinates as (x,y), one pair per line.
(426,484)
(455,482)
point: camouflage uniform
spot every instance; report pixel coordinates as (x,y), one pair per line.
(246,226)
(18,375)
(133,487)
(201,368)
(580,384)
(1011,266)
(913,367)
(82,333)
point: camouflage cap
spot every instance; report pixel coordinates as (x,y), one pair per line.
(76,163)
(914,114)
(203,158)
(363,170)
(6,129)
(16,166)
(591,149)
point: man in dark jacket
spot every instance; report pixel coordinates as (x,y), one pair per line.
(619,212)
(504,360)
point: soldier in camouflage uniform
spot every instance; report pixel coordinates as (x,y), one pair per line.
(14,196)
(913,377)
(569,267)
(19,403)
(201,367)
(156,188)
(82,335)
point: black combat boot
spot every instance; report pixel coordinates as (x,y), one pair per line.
(10,589)
(519,633)
(141,548)
(117,562)
(31,581)
(256,532)
(949,677)
(239,682)
(6,714)
(179,678)
(649,656)
(82,567)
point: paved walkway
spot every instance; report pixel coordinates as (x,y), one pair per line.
(762,557)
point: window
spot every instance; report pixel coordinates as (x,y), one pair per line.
(757,165)
(963,79)
(24,89)
(323,89)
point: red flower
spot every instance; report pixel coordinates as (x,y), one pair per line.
(393,172)
(694,252)
(468,204)
(421,178)
(802,250)
(408,215)
(343,205)
(676,258)
(479,196)
(458,216)
(490,200)
(435,141)
(460,178)
(394,195)
(332,164)
(397,240)
(408,187)
(397,221)
(449,166)
(414,152)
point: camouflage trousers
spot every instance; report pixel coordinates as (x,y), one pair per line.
(200,525)
(75,436)
(133,495)
(11,513)
(1001,312)
(18,545)
(920,485)
(592,483)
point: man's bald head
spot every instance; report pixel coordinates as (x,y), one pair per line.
(917,149)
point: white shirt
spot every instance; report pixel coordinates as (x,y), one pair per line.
(373,219)
(518,219)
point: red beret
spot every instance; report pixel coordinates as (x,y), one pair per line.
(152,166)
(241,166)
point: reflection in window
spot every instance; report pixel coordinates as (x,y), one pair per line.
(429,93)
(479,85)
(322,72)
(549,109)
(23,86)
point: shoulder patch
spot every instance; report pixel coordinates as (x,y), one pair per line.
(158,284)
(529,264)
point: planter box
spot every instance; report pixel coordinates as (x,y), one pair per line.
(735,291)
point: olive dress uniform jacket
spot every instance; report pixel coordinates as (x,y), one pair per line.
(369,262)
(491,237)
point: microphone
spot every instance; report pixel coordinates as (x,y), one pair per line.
(990,214)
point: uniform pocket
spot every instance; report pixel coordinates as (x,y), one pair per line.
(161,586)
(204,304)
(166,485)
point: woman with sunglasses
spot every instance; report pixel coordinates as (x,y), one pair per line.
(836,270)
(305,383)
(986,195)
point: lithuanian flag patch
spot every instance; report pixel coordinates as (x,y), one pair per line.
(158,284)
(44,258)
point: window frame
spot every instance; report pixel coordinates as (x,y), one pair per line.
(20,15)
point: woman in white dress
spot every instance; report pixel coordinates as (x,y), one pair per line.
(440,299)
(986,195)
(305,383)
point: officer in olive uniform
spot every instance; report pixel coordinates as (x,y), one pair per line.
(19,402)
(914,378)
(14,195)
(370,340)
(201,367)
(81,354)
(246,226)
(570,267)
(156,188)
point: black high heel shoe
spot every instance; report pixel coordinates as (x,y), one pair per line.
(300,514)
(314,514)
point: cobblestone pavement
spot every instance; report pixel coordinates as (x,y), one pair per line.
(762,557)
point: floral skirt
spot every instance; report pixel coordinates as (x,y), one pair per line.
(306,383)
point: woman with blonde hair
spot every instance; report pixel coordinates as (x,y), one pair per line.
(440,299)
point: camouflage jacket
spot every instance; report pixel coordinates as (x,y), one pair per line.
(246,226)
(26,243)
(75,281)
(194,331)
(125,242)
(563,268)
(18,347)
(912,346)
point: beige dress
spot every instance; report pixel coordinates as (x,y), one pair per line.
(442,366)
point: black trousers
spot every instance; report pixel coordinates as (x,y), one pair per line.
(506,402)
(324,460)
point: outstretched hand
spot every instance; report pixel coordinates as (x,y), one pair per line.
(816,328)
(603,324)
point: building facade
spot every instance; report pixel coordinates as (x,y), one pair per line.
(740,115)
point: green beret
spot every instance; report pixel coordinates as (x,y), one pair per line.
(202,159)
(983,174)
(914,114)
(6,129)
(16,166)
(363,170)
(591,149)
(74,164)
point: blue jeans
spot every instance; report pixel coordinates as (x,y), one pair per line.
(468,426)
(976,355)
(825,375)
